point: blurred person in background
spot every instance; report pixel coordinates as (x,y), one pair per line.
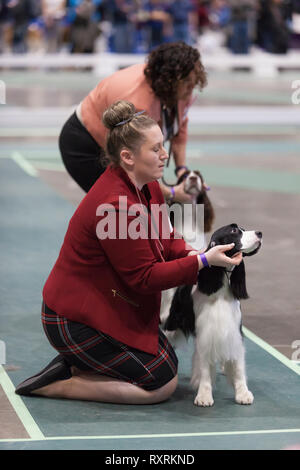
(3,21)
(242,18)
(84,18)
(120,14)
(21,13)
(183,17)
(295,24)
(159,22)
(219,14)
(202,11)
(273,34)
(53,13)
(215,27)
(162,87)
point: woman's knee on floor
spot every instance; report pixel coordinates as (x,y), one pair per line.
(164,392)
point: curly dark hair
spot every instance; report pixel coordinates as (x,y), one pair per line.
(168,64)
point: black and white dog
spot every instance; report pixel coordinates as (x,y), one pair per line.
(211,312)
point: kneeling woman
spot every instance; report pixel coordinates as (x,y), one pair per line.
(102,298)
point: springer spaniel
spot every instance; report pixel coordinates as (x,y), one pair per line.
(211,312)
(194,185)
(188,226)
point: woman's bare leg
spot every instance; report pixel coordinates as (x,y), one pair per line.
(100,388)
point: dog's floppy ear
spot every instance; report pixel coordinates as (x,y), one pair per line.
(238,282)
(209,214)
(210,280)
(182,315)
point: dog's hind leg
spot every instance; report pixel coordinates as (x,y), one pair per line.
(235,371)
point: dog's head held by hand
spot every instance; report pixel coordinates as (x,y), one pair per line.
(248,242)
(210,280)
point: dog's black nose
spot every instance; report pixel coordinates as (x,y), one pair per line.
(258,234)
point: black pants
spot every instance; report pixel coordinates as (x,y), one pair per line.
(81,154)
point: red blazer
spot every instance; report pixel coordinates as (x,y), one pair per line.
(115,285)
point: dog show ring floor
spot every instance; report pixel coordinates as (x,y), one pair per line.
(244,138)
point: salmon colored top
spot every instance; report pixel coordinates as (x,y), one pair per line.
(128,84)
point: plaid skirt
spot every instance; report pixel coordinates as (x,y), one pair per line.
(91,350)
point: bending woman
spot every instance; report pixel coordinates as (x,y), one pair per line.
(102,298)
(163,87)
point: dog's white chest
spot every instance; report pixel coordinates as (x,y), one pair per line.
(218,319)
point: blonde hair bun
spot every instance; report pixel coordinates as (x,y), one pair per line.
(118,112)
(126,129)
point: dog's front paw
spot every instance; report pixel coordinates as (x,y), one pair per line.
(244,397)
(204,399)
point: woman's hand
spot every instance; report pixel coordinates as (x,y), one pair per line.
(194,252)
(216,257)
(180,194)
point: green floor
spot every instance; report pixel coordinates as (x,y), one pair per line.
(254,172)
(33,222)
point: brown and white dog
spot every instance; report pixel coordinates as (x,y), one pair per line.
(195,186)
